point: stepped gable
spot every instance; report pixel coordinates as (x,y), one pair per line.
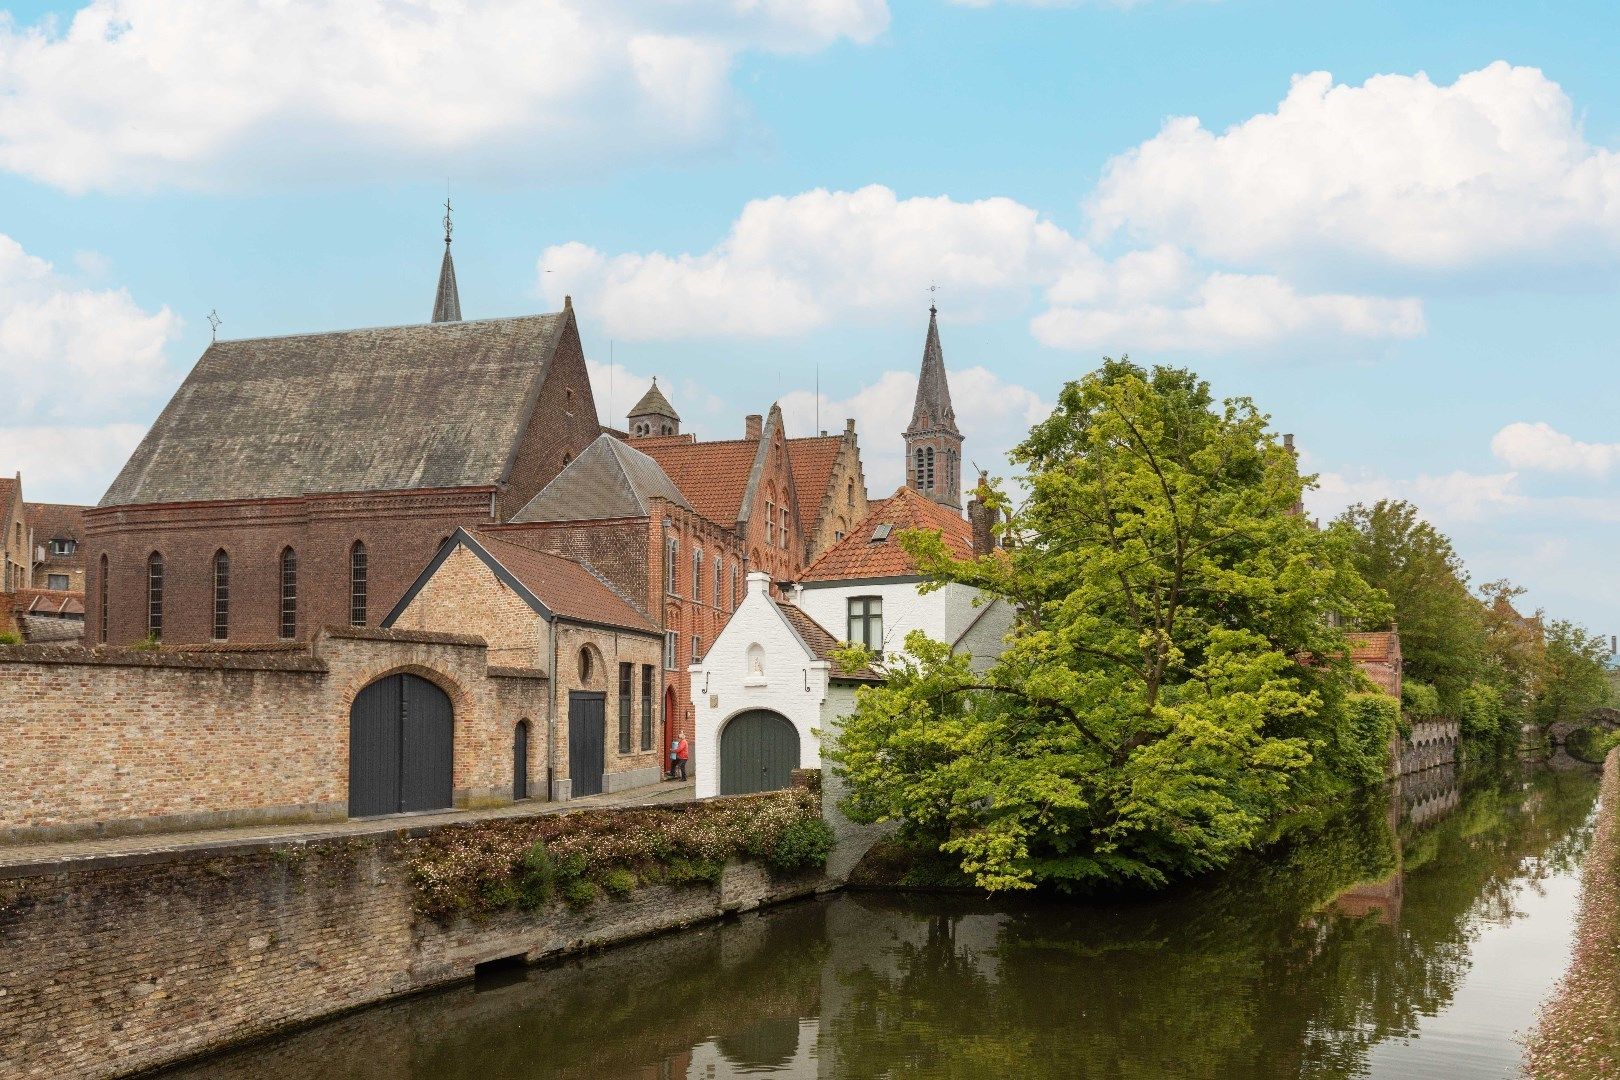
(610,479)
(568,587)
(821,642)
(439,405)
(869,553)
(10,492)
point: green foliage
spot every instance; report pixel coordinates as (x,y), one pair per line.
(1573,679)
(1413,563)
(1368,731)
(10,638)
(1174,683)
(149,643)
(619,883)
(1486,722)
(526,863)
(1420,699)
(803,844)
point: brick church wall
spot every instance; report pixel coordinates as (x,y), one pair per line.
(115,741)
(401,530)
(563,423)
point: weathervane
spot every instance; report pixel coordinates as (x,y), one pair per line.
(213,322)
(447,225)
(932,289)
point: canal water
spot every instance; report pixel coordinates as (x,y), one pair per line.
(1412,939)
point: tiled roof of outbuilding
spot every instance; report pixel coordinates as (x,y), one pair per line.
(39,629)
(859,556)
(821,642)
(569,587)
(52,602)
(56,521)
(440,405)
(1374,645)
(610,479)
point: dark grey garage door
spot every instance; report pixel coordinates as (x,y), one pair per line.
(758,752)
(587,747)
(401,730)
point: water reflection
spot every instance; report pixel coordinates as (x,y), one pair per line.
(1350,940)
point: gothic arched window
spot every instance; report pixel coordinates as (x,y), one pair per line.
(928,475)
(154,596)
(289,593)
(358,571)
(222,595)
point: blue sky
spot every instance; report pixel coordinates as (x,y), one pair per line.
(1411,261)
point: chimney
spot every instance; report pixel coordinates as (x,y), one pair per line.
(1288,442)
(849,426)
(982,517)
(753,425)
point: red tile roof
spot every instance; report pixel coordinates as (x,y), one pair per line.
(1373,646)
(566,586)
(712,475)
(811,461)
(56,521)
(859,556)
(821,642)
(49,602)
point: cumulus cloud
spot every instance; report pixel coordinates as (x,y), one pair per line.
(146,93)
(67,463)
(1457,496)
(994,413)
(1543,448)
(1399,170)
(791,264)
(73,354)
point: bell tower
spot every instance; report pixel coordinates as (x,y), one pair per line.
(933,441)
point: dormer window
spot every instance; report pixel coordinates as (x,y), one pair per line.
(64,547)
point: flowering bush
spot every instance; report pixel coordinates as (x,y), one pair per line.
(525,863)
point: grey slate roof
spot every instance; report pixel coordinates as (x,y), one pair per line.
(654,403)
(932,410)
(610,479)
(440,405)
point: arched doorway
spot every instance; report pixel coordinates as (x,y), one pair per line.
(520,760)
(759,750)
(401,733)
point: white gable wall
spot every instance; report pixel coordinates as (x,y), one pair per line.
(793,683)
(942,614)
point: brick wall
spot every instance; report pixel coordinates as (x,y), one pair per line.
(830,515)
(463,596)
(129,963)
(562,424)
(111,741)
(401,530)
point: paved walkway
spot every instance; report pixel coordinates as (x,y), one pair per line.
(42,858)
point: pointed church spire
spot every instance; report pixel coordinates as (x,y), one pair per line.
(447,301)
(933,441)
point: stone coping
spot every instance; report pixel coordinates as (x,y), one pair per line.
(289,660)
(517,673)
(415,637)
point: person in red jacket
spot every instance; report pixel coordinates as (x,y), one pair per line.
(682,753)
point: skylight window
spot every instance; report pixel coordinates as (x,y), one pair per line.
(881,533)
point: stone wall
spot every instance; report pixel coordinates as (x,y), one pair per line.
(1430,743)
(128,963)
(108,741)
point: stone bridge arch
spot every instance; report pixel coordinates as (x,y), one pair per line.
(1602,718)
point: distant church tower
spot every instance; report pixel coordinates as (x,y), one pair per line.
(447,301)
(933,442)
(653,415)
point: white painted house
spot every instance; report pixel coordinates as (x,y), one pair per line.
(767,689)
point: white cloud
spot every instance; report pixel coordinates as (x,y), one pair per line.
(71,354)
(791,264)
(67,463)
(147,93)
(1157,300)
(995,415)
(1543,448)
(1458,496)
(1399,169)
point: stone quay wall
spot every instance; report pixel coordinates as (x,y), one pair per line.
(110,741)
(1430,743)
(117,964)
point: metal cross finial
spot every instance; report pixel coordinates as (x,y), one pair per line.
(447,226)
(213,322)
(932,289)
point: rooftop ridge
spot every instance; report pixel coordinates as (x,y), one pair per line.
(392,326)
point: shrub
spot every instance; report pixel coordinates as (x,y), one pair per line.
(1372,724)
(146,644)
(801,845)
(579,893)
(1420,699)
(618,883)
(9,638)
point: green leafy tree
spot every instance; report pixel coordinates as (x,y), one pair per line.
(1440,621)
(1176,680)
(1574,674)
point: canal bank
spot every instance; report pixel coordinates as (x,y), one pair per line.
(1578,1034)
(1405,941)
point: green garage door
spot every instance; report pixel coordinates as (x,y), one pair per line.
(758,752)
